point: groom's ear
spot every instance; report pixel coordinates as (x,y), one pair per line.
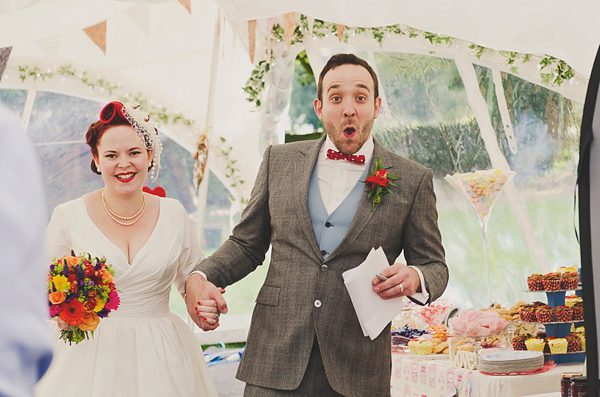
(318,108)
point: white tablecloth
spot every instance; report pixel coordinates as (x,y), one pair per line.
(434,378)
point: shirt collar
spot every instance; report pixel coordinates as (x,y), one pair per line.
(366,149)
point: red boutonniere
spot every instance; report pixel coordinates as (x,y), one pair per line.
(379,183)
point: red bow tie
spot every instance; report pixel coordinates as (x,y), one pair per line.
(333,155)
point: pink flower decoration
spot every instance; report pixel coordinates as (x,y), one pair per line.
(54,310)
(113,301)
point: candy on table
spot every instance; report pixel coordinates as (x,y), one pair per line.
(481,188)
(477,323)
(566,269)
(438,331)
(518,342)
(535,344)
(433,314)
(420,347)
(558,345)
(409,332)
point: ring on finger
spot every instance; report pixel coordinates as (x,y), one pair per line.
(401,288)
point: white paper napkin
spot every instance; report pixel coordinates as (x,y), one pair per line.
(373,313)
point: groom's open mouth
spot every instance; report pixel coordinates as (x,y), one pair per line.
(349,131)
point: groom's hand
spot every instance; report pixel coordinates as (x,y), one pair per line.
(401,280)
(197,292)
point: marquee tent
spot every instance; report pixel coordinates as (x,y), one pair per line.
(187,61)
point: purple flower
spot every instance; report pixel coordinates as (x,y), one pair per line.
(69,298)
(103,313)
(52,267)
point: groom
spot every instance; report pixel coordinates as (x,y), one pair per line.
(310,203)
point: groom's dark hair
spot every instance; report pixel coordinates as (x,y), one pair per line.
(345,59)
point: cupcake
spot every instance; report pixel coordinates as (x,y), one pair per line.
(535,344)
(558,345)
(578,311)
(573,343)
(527,314)
(563,314)
(551,281)
(423,347)
(570,300)
(543,314)
(518,342)
(534,282)
(570,281)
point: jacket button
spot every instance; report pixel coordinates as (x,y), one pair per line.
(317,303)
(323,267)
(328,224)
(323,252)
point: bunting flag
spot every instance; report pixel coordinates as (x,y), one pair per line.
(4,54)
(340,31)
(98,35)
(140,14)
(187,4)
(289,24)
(270,24)
(251,38)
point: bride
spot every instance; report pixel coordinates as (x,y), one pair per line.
(141,349)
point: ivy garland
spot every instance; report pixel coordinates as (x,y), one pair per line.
(162,114)
(158,113)
(559,71)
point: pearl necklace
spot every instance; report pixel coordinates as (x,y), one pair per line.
(115,217)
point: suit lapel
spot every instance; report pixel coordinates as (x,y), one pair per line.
(305,163)
(363,213)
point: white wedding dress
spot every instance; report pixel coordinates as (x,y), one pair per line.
(140,349)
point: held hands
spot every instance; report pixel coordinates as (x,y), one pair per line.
(204,302)
(401,281)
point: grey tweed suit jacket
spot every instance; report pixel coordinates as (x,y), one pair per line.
(285,319)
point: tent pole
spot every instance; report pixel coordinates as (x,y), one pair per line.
(515,201)
(210,112)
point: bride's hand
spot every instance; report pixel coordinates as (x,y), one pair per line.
(208,311)
(198,290)
(62,325)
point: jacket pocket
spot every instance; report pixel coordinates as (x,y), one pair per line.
(268,295)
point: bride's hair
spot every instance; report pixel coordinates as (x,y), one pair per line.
(95,132)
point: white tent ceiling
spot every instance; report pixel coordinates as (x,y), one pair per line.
(158,47)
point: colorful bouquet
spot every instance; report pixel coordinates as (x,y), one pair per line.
(80,292)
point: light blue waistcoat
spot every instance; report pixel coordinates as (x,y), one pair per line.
(330,229)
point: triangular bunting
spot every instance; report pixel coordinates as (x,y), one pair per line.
(251,38)
(340,31)
(187,4)
(289,24)
(4,54)
(140,14)
(98,35)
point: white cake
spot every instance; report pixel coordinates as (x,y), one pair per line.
(507,361)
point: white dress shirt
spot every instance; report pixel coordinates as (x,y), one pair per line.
(338,177)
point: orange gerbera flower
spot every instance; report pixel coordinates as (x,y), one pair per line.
(72,312)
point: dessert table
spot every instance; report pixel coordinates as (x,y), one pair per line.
(415,376)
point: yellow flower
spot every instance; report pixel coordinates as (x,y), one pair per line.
(99,304)
(61,283)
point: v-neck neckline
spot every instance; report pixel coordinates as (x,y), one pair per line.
(85,210)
